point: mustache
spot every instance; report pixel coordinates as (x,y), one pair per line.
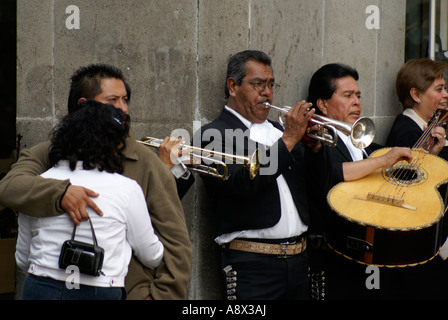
(263,101)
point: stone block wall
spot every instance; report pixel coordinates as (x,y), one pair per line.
(174,55)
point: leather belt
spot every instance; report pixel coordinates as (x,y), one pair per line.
(281,249)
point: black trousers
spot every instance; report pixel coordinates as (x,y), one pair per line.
(253,276)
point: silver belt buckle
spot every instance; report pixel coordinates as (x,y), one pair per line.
(283,248)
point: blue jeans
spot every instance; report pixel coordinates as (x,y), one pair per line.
(43,288)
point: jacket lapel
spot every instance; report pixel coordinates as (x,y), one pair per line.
(343,150)
(232,121)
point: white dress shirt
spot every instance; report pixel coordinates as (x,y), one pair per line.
(356,153)
(290,224)
(124,227)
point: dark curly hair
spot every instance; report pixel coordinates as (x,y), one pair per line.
(95,134)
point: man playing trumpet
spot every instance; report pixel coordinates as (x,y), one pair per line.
(261,222)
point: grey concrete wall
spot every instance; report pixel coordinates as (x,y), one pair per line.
(174,54)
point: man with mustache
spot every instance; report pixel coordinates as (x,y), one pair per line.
(261,223)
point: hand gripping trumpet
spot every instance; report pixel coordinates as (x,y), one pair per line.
(251,163)
(362,132)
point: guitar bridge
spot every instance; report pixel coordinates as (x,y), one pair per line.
(385,199)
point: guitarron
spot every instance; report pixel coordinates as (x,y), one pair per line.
(392,217)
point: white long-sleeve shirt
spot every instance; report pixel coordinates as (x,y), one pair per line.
(124,227)
(290,223)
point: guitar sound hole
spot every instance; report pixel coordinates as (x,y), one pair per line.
(404,174)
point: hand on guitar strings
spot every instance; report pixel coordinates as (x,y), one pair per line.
(396,154)
(438,142)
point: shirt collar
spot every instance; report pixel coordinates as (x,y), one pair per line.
(264,133)
(246,122)
(417,119)
(414,116)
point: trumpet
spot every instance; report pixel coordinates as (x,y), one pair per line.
(362,132)
(251,163)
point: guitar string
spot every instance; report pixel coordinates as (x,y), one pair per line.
(420,147)
(395,186)
(400,175)
(403,182)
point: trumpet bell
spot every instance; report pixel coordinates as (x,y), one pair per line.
(362,133)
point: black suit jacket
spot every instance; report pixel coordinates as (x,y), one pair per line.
(244,204)
(405,132)
(183,185)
